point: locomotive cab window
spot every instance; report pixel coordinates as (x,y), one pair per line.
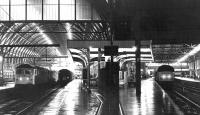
(35,72)
(19,71)
(27,72)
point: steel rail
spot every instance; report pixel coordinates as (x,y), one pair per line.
(190,101)
(99,97)
(121,110)
(22,112)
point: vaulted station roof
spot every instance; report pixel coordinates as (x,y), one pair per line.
(46,22)
(57,21)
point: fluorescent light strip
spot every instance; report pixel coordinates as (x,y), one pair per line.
(142,59)
(124,49)
(133,49)
(93,49)
(147,61)
(128,55)
(171,64)
(181,69)
(68,28)
(192,52)
(75,50)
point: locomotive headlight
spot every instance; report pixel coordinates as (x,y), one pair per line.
(20,79)
(168,76)
(164,76)
(27,78)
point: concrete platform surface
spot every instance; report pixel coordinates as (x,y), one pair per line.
(153,100)
(70,100)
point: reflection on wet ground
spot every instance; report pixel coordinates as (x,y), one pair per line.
(8,85)
(70,100)
(153,100)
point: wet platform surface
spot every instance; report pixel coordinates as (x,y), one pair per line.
(71,100)
(7,86)
(153,100)
(188,79)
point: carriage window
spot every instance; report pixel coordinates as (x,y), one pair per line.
(36,72)
(27,72)
(19,71)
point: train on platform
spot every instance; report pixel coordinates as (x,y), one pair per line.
(64,77)
(29,75)
(165,76)
(8,75)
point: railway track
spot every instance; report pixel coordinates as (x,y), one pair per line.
(185,104)
(18,104)
(186,96)
(31,105)
(189,90)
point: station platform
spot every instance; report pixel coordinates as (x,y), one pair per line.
(8,85)
(70,100)
(152,101)
(74,100)
(188,79)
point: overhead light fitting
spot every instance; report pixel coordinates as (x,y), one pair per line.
(192,52)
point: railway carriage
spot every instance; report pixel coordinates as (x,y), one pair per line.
(27,74)
(64,77)
(8,75)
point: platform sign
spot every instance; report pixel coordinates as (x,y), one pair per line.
(110,50)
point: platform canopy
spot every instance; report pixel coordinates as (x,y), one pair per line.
(126,50)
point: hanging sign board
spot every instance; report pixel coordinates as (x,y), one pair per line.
(110,50)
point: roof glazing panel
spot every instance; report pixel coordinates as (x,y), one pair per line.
(47,10)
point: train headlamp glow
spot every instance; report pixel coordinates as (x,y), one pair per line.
(27,78)
(168,76)
(164,76)
(20,79)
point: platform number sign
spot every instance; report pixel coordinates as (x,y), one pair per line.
(110,50)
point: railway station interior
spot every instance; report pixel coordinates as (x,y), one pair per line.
(99,57)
